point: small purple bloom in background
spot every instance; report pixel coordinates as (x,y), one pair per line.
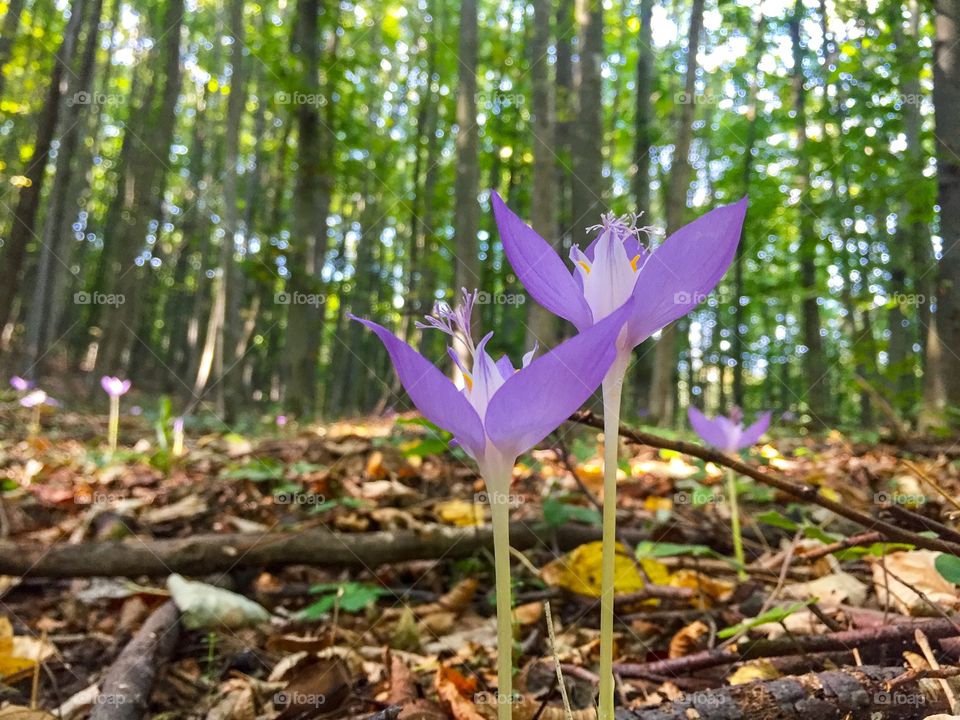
(281,420)
(21,384)
(37,398)
(728,433)
(136,410)
(178,425)
(114,386)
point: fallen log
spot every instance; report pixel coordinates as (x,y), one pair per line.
(205,554)
(125,693)
(793,645)
(858,693)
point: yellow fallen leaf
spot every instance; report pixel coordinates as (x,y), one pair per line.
(580,571)
(769,451)
(761,669)
(653,504)
(19,654)
(708,590)
(460,513)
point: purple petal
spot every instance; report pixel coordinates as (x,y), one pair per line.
(21,384)
(536,400)
(680,273)
(431,391)
(539,268)
(750,436)
(710,431)
(505,367)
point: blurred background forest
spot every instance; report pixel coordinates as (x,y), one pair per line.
(193,194)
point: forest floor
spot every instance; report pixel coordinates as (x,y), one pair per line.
(346,572)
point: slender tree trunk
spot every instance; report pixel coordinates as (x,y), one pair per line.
(229,292)
(25,214)
(311,201)
(143,166)
(52,249)
(466,188)
(588,184)
(11,21)
(738,289)
(662,391)
(942,386)
(817,382)
(541,323)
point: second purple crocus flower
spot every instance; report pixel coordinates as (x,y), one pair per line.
(728,434)
(499,413)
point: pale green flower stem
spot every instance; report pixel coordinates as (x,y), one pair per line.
(35,423)
(114,431)
(497,479)
(735,524)
(612,394)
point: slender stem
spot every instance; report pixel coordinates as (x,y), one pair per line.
(499,487)
(735,524)
(114,422)
(612,394)
(35,425)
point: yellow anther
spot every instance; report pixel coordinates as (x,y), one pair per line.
(468,381)
(581,263)
(633,263)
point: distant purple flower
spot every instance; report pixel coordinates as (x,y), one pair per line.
(667,282)
(281,420)
(21,384)
(502,412)
(37,397)
(114,386)
(728,433)
(178,425)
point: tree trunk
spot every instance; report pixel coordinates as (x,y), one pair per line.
(25,214)
(143,169)
(665,361)
(11,21)
(52,249)
(817,382)
(229,291)
(466,188)
(738,289)
(542,325)
(311,200)
(942,386)
(588,184)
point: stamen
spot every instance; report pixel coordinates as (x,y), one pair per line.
(625,225)
(586,268)
(454,322)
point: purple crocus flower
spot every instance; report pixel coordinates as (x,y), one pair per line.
(727,433)
(281,420)
(114,386)
(667,282)
(501,412)
(37,397)
(21,384)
